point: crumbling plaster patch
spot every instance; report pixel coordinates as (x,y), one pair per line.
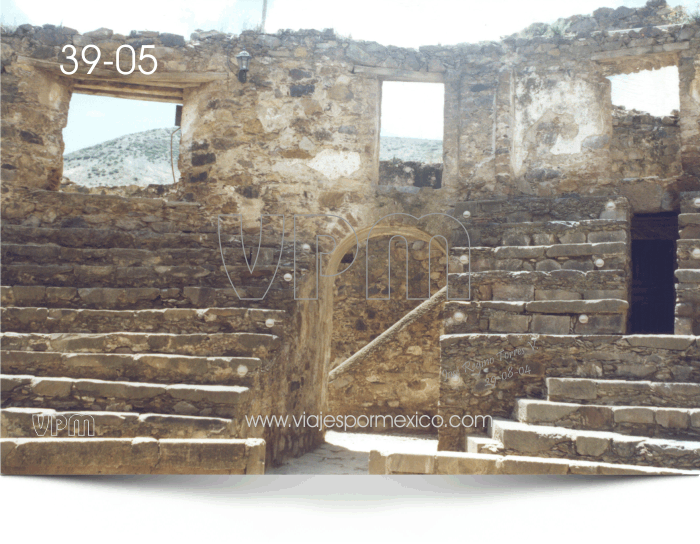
(555,116)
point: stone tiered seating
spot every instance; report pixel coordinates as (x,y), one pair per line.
(633,400)
(536,265)
(541,303)
(119,309)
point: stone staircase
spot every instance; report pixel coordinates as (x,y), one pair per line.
(120,309)
(537,265)
(549,295)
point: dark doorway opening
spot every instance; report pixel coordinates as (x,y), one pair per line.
(653,295)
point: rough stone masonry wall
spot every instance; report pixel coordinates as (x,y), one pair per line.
(645,146)
(400,378)
(356,320)
(530,114)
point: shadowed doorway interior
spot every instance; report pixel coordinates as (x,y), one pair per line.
(653,264)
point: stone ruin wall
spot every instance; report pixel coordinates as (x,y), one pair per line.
(530,115)
(645,146)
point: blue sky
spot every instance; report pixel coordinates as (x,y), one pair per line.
(407,23)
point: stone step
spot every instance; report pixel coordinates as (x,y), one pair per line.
(531,209)
(536,233)
(546,258)
(137,298)
(39,208)
(545,441)
(92,455)
(451,462)
(678,423)
(50,253)
(624,393)
(108,238)
(48,423)
(209,259)
(523,286)
(159,277)
(244,344)
(101,238)
(607,316)
(144,367)
(170,320)
(68,394)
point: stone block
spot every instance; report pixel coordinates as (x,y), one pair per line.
(547,265)
(556,294)
(683,325)
(544,239)
(410,463)
(640,416)
(695,419)
(550,324)
(661,341)
(688,275)
(635,371)
(529,441)
(52,387)
(591,446)
(513,292)
(377,462)
(596,417)
(607,236)
(509,323)
(519,465)
(544,412)
(602,324)
(465,463)
(673,419)
(572,237)
(515,252)
(515,239)
(572,389)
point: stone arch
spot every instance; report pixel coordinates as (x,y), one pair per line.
(327,283)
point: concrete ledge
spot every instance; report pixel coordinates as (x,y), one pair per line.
(65,456)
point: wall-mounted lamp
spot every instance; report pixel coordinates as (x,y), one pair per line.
(243,59)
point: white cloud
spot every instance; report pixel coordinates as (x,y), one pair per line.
(95,114)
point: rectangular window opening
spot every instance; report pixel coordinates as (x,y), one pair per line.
(113,142)
(646,138)
(412,117)
(653,294)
